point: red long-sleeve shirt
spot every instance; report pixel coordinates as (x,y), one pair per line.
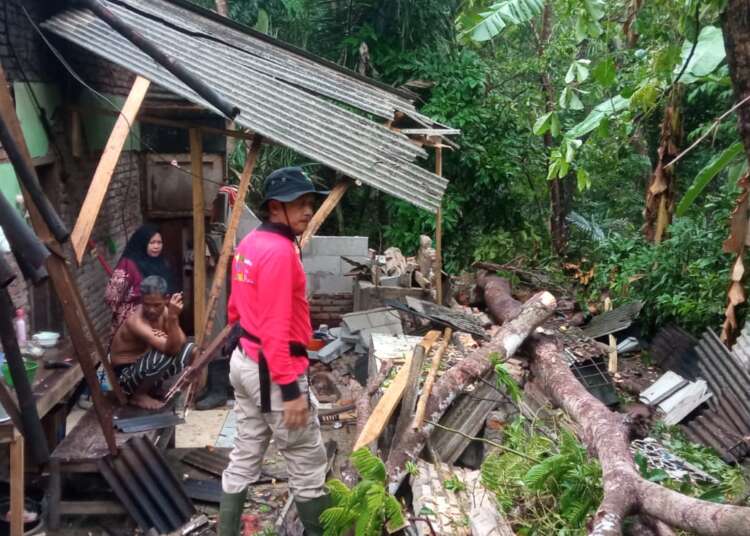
(268,299)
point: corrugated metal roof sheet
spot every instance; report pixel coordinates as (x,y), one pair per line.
(613,321)
(272,87)
(741,348)
(146,486)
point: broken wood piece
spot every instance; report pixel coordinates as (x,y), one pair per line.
(199,235)
(333,199)
(386,405)
(103,174)
(430,380)
(439,232)
(220,273)
(612,364)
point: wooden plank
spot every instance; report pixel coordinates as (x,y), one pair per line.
(85,341)
(199,234)
(103,174)
(388,402)
(227,246)
(439,231)
(430,380)
(333,199)
(16,486)
(411,392)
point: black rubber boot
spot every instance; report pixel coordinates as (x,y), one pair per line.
(230,513)
(309,514)
(215,395)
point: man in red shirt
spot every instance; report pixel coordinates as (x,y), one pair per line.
(268,370)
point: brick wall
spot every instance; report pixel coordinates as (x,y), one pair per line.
(329,308)
(25,57)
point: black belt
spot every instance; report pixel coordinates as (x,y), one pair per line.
(296,349)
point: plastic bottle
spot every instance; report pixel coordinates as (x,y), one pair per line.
(20,325)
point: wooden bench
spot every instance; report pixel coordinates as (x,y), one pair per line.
(79,453)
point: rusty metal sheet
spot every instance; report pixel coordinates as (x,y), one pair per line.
(276,100)
(146,486)
(673,349)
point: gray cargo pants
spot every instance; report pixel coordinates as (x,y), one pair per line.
(302,448)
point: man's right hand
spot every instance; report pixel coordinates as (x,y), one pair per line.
(174,308)
(296,412)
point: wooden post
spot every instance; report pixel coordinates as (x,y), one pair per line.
(85,341)
(613,365)
(325,210)
(103,174)
(227,246)
(439,230)
(17,484)
(199,234)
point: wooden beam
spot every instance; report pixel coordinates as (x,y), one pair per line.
(103,174)
(430,380)
(227,246)
(199,235)
(439,231)
(85,341)
(17,482)
(164,122)
(333,199)
(390,399)
(411,393)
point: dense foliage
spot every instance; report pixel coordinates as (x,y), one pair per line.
(567,90)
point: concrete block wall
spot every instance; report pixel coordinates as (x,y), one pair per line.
(323,264)
(329,289)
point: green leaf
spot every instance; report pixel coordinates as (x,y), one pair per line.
(555,125)
(487,23)
(705,175)
(543,124)
(337,490)
(583,179)
(263,23)
(368,465)
(605,72)
(606,109)
(708,55)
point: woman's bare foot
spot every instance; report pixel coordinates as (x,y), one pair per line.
(146,402)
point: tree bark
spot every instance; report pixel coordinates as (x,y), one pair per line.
(736,24)
(498,297)
(559,189)
(504,344)
(606,436)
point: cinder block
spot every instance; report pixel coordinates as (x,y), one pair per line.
(333,284)
(322,264)
(351,246)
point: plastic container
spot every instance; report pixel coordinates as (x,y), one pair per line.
(20,324)
(31,368)
(46,339)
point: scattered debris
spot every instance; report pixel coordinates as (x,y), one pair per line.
(593,374)
(147,422)
(659,457)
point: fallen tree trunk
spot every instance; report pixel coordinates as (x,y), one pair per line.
(605,433)
(504,344)
(498,297)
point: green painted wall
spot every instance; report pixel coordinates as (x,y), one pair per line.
(48,98)
(98,126)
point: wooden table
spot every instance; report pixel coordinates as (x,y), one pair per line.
(51,386)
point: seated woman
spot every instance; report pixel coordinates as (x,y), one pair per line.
(149,347)
(142,257)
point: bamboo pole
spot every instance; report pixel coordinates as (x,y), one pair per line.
(220,274)
(199,234)
(333,199)
(439,231)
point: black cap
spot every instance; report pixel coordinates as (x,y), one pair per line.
(287,184)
